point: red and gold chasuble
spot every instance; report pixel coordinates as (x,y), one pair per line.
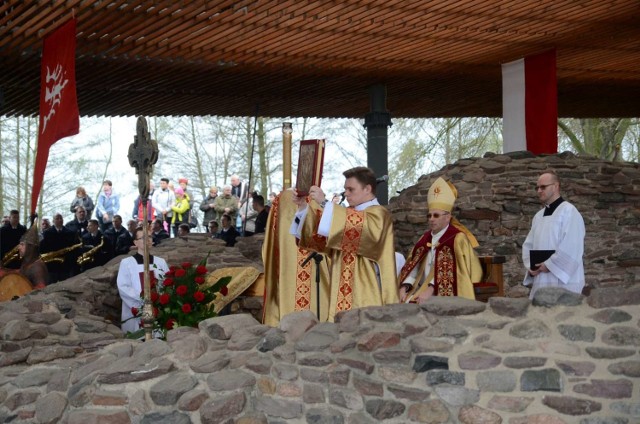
(444,267)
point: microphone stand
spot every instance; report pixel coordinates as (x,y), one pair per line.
(317,258)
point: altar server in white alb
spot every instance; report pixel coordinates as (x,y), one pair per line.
(556,230)
(131,280)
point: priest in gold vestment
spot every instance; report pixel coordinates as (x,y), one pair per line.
(357,242)
(443,262)
(290,283)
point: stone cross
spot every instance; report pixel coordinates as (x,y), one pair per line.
(143,154)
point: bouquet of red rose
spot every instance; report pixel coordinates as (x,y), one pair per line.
(181,298)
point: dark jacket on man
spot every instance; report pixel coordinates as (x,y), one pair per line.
(261,220)
(77,227)
(54,240)
(156,238)
(124,243)
(229,236)
(113,235)
(102,255)
(9,238)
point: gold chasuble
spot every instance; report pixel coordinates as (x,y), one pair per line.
(455,265)
(359,246)
(289,287)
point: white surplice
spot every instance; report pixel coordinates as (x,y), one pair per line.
(130,276)
(562,231)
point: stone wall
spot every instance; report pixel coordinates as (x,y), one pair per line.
(564,358)
(497,202)
(558,360)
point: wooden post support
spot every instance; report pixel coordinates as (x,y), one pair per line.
(143,154)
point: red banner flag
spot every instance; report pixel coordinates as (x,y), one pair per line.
(59,115)
(530,104)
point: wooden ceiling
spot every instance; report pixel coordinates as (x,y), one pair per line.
(437,58)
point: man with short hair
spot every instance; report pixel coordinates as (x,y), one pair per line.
(357,241)
(261,215)
(213,228)
(10,236)
(54,239)
(552,251)
(96,246)
(239,189)
(183,230)
(107,206)
(228,232)
(158,233)
(79,223)
(125,242)
(45,224)
(163,199)
(226,203)
(443,262)
(113,234)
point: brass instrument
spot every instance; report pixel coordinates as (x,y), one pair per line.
(58,255)
(89,255)
(11,255)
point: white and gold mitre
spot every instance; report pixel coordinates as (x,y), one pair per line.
(442,195)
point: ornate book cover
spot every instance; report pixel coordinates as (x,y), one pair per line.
(310,163)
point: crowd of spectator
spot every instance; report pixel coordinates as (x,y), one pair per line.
(89,240)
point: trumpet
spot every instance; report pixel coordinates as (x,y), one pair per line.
(89,255)
(58,255)
(10,256)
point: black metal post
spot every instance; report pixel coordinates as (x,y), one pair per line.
(377,122)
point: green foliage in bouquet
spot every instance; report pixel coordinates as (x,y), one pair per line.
(181,298)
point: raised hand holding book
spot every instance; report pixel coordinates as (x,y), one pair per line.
(310,165)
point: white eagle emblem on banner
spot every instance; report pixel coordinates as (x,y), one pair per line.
(55,82)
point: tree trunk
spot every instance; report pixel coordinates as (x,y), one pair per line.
(263,158)
(198,159)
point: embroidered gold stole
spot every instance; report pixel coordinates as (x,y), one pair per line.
(359,245)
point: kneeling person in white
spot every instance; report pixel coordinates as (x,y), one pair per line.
(131,280)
